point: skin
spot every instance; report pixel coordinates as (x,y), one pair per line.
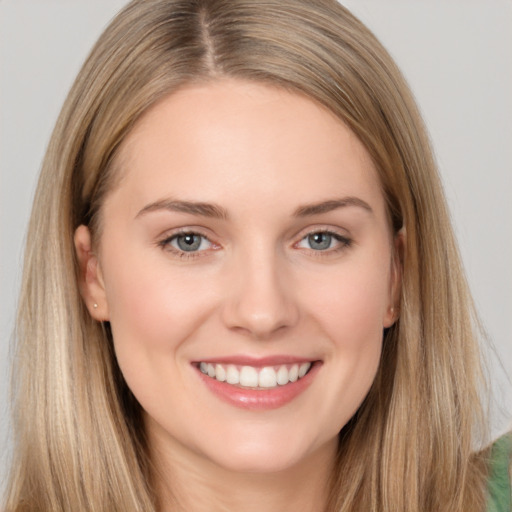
(256,287)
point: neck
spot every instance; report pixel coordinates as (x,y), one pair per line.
(186,482)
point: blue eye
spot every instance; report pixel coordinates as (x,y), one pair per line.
(323,241)
(320,241)
(188,242)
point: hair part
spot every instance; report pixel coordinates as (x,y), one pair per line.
(79,440)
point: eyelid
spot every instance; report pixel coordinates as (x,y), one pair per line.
(323,228)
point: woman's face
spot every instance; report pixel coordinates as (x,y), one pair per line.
(246,268)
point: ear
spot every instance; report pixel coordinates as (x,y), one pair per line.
(393,311)
(90,283)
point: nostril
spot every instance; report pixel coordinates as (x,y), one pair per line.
(259,321)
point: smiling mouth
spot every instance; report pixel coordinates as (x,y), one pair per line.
(251,377)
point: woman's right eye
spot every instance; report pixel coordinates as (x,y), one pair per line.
(186,243)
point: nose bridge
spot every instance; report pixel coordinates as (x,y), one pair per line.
(260,300)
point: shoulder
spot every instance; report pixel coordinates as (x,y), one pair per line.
(499,483)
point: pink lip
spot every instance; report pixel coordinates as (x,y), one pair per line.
(256,399)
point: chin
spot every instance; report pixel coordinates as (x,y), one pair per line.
(268,454)
(258,461)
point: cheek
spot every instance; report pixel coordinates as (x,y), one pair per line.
(152,315)
(349,306)
(147,304)
(351,303)
(153,318)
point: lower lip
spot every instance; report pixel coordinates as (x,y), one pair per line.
(260,399)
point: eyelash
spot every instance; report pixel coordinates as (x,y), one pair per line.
(343,243)
(166,244)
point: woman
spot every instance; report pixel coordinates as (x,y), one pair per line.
(241,287)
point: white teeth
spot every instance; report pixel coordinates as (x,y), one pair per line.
(303,369)
(220,373)
(251,377)
(248,377)
(282,376)
(232,375)
(267,378)
(293,374)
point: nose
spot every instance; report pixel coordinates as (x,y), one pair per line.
(260,297)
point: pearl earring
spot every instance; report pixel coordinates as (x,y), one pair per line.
(95,305)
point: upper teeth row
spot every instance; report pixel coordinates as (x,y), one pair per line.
(249,376)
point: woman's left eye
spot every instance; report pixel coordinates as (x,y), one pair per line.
(187,242)
(323,241)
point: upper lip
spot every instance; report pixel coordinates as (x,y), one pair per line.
(244,360)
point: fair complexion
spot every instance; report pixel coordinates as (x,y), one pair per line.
(248,229)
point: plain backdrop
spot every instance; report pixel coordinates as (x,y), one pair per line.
(457,57)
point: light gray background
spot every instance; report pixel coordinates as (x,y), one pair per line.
(457,56)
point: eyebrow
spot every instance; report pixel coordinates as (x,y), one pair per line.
(218,212)
(192,207)
(330,205)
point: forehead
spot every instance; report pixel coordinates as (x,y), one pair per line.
(232,138)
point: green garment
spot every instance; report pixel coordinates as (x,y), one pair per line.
(500,491)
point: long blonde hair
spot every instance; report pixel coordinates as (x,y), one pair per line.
(79,442)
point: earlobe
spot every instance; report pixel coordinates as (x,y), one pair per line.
(90,283)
